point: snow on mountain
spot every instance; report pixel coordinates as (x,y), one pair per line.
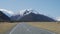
(22,13)
(32,15)
(7,12)
(28,11)
(58,18)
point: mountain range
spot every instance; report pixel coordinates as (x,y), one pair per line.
(32,16)
(27,15)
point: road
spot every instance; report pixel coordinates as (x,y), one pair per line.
(24,28)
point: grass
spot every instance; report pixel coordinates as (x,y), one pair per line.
(52,26)
(4,27)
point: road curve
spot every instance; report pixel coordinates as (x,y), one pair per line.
(24,28)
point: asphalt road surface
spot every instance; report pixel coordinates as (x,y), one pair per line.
(24,28)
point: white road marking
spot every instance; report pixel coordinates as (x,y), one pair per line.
(14,28)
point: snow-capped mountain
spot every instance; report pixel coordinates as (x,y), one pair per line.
(32,15)
(7,12)
(58,18)
(4,15)
(28,11)
(22,13)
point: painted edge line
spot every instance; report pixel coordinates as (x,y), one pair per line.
(14,28)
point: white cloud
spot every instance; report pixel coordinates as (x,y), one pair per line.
(10,12)
(7,12)
(58,18)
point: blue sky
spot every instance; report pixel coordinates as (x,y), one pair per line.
(48,7)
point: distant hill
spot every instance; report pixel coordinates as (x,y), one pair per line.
(4,17)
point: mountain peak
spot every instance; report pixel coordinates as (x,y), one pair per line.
(28,11)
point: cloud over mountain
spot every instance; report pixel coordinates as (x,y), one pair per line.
(7,12)
(58,18)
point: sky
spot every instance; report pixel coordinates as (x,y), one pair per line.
(50,8)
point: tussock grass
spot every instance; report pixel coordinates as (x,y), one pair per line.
(52,26)
(4,27)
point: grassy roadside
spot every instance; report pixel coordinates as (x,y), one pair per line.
(4,27)
(55,27)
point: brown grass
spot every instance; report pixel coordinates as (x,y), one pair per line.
(6,26)
(53,26)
